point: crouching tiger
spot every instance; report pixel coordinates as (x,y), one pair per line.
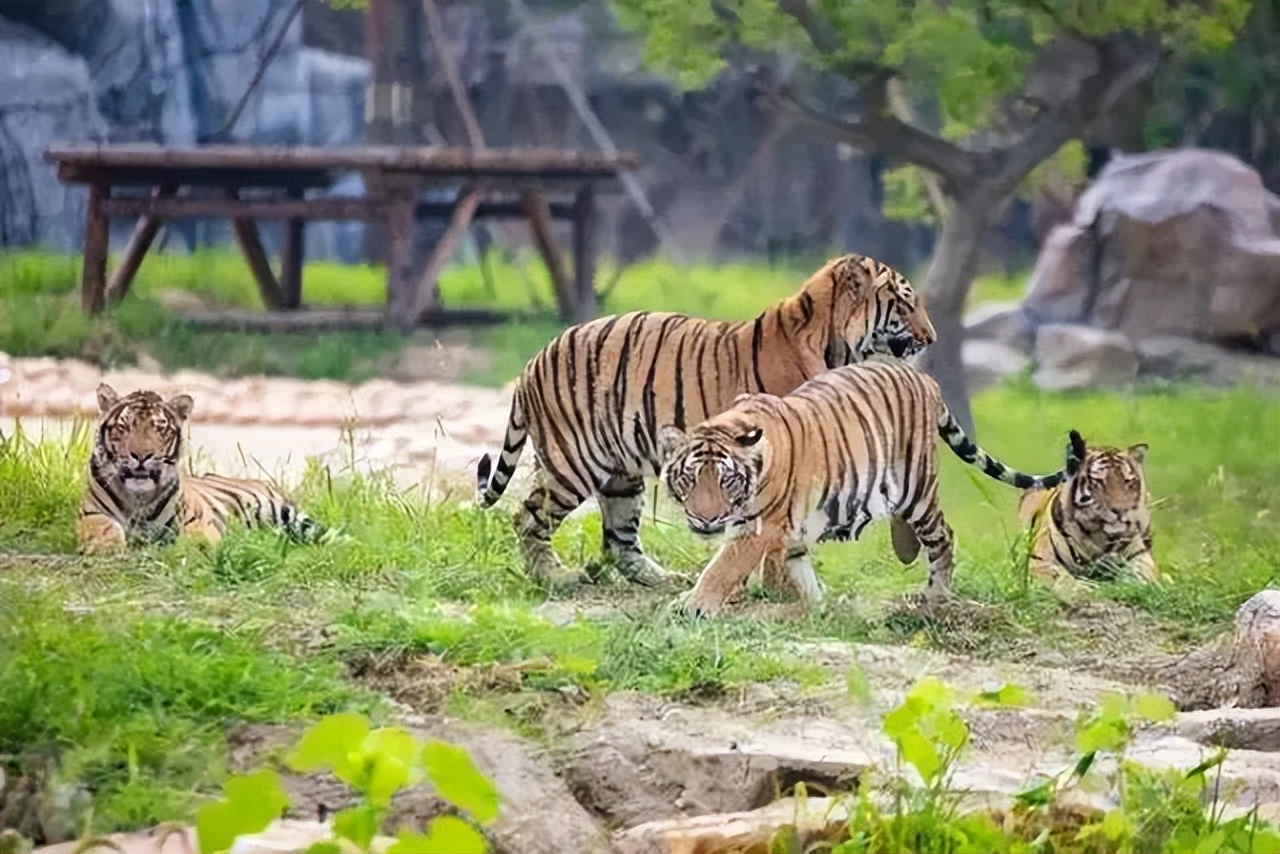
(138,493)
(1098,523)
(849,446)
(592,401)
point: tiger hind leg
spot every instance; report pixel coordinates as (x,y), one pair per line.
(621,506)
(933,532)
(537,518)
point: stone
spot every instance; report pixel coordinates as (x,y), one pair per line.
(1068,356)
(1257,628)
(805,823)
(1003,322)
(1247,729)
(986,363)
(1166,243)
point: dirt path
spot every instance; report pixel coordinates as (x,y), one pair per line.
(424,432)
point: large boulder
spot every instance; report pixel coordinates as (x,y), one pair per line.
(1070,356)
(1168,243)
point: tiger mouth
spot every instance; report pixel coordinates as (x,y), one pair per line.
(706,529)
(139,484)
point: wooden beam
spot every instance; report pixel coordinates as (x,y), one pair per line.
(93,279)
(246,230)
(144,232)
(584,232)
(364,208)
(291,256)
(328,320)
(536,209)
(427,299)
(400,292)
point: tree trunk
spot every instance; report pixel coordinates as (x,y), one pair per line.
(951,274)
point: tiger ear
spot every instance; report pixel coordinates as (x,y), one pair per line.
(1138,453)
(107,397)
(750,437)
(670,440)
(1076,451)
(181,405)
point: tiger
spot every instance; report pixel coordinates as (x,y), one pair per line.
(778,474)
(1096,523)
(137,493)
(593,399)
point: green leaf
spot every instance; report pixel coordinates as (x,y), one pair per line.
(358,824)
(1116,825)
(446,834)
(1085,763)
(251,803)
(1211,843)
(856,683)
(921,753)
(324,846)
(390,757)
(1007,694)
(1036,796)
(1154,707)
(458,781)
(334,743)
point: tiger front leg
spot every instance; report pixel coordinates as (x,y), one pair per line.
(795,574)
(621,507)
(97,533)
(728,572)
(1144,566)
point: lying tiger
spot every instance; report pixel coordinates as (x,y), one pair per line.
(594,398)
(1097,523)
(858,439)
(137,492)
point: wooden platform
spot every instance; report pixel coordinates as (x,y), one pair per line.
(247,183)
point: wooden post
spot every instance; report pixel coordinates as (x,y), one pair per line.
(251,245)
(93,280)
(584,267)
(400,290)
(539,214)
(427,295)
(139,244)
(291,258)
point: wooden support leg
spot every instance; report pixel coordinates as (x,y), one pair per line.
(251,245)
(139,244)
(539,214)
(584,259)
(400,284)
(291,258)
(93,281)
(427,298)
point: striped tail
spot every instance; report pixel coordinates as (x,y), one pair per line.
(490,489)
(968,450)
(301,527)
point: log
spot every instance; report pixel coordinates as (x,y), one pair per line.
(584,273)
(539,215)
(93,279)
(246,231)
(427,297)
(292,250)
(144,233)
(400,285)
(315,320)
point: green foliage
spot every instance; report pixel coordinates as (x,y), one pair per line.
(967,53)
(251,803)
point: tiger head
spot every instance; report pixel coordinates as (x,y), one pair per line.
(874,309)
(715,470)
(139,442)
(1106,488)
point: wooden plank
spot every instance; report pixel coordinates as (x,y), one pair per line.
(93,279)
(400,292)
(422,159)
(188,207)
(536,209)
(328,320)
(246,231)
(427,299)
(370,209)
(291,257)
(584,267)
(149,176)
(139,244)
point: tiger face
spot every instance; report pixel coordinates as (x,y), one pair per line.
(714,471)
(1107,489)
(138,443)
(882,312)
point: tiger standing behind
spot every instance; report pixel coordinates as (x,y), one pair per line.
(593,399)
(1097,522)
(857,439)
(137,492)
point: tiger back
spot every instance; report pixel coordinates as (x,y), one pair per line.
(857,442)
(593,399)
(1097,523)
(137,491)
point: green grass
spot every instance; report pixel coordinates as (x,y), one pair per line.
(40,292)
